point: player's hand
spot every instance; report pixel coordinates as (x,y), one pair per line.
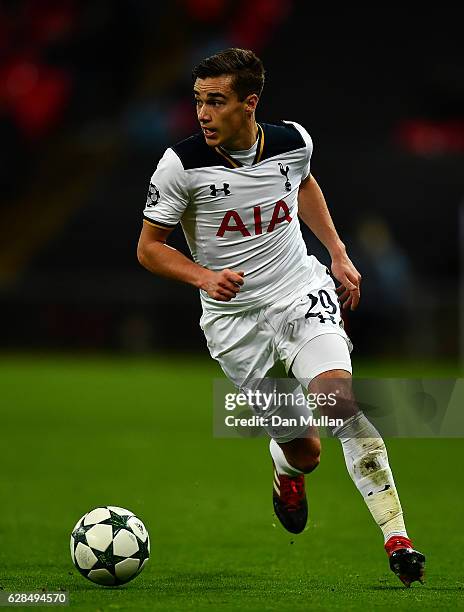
(222,286)
(349,292)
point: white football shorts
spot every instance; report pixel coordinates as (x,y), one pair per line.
(248,344)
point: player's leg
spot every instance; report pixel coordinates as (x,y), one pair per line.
(296,320)
(300,456)
(365,454)
(243,346)
(292,460)
(364,450)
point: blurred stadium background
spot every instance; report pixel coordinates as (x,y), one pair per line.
(91,93)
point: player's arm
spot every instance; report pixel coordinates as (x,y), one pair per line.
(312,208)
(161,259)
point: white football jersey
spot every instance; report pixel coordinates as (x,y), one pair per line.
(242,217)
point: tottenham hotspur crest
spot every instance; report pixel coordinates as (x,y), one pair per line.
(284,172)
(153,195)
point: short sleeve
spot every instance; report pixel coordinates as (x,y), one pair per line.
(168,192)
(308,149)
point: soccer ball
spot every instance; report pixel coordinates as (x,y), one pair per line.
(110,545)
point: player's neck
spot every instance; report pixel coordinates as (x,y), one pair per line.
(244,139)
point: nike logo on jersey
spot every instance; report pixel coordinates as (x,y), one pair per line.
(215,190)
(233,222)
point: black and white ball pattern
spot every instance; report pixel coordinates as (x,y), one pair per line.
(110,545)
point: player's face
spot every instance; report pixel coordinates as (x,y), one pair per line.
(223,118)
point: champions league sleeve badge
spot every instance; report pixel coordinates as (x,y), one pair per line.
(153,196)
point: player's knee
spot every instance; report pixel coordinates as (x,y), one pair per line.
(345,405)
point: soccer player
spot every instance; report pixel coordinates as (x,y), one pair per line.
(237,187)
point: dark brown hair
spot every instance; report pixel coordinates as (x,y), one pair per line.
(245,67)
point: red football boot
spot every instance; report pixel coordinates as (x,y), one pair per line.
(289,499)
(408,564)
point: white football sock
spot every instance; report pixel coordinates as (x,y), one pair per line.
(367,462)
(281,464)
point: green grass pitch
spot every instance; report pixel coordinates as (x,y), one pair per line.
(78,433)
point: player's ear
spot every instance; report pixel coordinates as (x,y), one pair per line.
(251,102)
